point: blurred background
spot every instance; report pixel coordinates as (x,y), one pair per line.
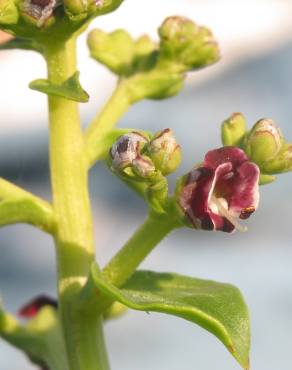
(253,77)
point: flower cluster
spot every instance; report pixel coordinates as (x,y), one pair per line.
(25,18)
(135,155)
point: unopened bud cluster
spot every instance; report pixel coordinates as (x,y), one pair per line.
(138,157)
(25,17)
(155,71)
(186,45)
(264,144)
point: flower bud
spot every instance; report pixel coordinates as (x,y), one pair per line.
(114,50)
(8,12)
(281,163)
(263,142)
(144,167)
(186,44)
(76,8)
(126,150)
(144,52)
(165,152)
(144,46)
(39,12)
(130,161)
(233,130)
(32,308)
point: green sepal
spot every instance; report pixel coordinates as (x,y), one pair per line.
(233,130)
(70,89)
(216,307)
(40,338)
(281,163)
(266,179)
(20,43)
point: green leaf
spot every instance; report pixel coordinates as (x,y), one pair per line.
(218,308)
(20,43)
(70,89)
(40,339)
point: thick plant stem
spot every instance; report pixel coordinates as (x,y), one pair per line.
(126,261)
(106,120)
(74,237)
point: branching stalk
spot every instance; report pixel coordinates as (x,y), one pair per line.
(105,121)
(138,247)
(20,206)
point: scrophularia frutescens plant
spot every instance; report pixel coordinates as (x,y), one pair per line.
(218,194)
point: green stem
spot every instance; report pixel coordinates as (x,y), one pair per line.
(74,236)
(126,261)
(18,205)
(105,121)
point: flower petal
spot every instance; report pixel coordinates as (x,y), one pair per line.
(244,197)
(225,154)
(196,195)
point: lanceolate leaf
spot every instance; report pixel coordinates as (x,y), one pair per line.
(218,308)
(70,89)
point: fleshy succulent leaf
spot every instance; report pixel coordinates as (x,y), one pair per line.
(218,308)
(70,89)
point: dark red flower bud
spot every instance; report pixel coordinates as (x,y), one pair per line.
(30,310)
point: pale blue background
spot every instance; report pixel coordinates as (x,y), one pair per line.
(258,262)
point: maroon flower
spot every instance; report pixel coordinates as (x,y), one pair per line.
(30,310)
(224,188)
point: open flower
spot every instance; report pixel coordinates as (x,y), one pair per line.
(222,190)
